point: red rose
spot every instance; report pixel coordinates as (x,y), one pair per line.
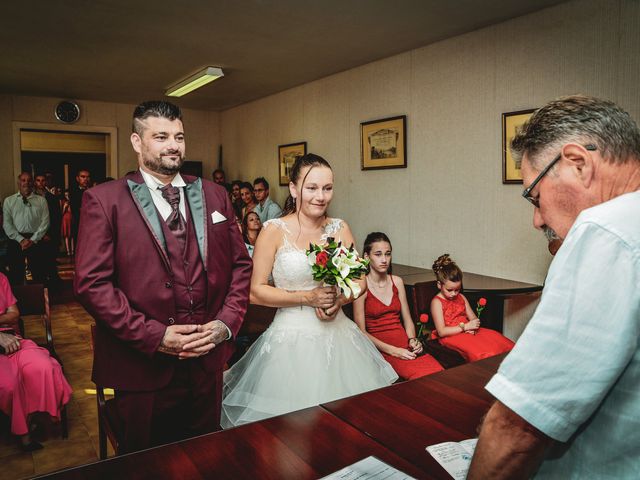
(482,302)
(424,318)
(322,258)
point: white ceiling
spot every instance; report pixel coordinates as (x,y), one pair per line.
(129,51)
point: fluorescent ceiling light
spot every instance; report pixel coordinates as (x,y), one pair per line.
(201,78)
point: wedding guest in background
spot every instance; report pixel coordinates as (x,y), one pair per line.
(251,226)
(457,325)
(51,241)
(30,379)
(382,312)
(248,198)
(26,221)
(266,208)
(65,226)
(76,193)
(568,402)
(220,178)
(236,199)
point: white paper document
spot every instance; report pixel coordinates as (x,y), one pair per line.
(369,468)
(454,457)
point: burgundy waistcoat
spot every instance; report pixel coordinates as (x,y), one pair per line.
(189,280)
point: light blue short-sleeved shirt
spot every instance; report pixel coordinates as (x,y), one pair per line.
(575,372)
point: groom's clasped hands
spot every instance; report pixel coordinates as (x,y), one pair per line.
(190,341)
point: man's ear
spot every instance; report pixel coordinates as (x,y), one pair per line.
(582,162)
(136,142)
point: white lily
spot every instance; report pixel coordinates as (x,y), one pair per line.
(345,289)
(354,286)
(342,265)
(311,258)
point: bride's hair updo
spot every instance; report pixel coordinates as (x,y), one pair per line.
(308,160)
(446,269)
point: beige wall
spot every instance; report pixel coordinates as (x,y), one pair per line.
(201,127)
(451,197)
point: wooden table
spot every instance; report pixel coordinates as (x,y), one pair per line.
(307,444)
(408,417)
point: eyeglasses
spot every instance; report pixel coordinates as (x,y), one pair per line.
(259,190)
(535,201)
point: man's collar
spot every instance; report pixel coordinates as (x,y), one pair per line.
(153,183)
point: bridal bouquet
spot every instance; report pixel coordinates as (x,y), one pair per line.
(335,264)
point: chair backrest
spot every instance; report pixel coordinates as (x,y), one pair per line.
(33,299)
(423,293)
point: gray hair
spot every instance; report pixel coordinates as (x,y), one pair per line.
(581,119)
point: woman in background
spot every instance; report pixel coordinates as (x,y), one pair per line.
(251,227)
(30,379)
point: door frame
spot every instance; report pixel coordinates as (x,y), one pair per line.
(111,132)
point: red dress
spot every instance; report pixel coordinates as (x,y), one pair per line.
(30,379)
(485,343)
(384,322)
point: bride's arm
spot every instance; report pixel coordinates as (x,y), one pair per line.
(264,294)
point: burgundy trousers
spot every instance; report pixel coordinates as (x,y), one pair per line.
(188,406)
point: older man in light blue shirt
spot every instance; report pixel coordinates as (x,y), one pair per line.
(568,394)
(26,221)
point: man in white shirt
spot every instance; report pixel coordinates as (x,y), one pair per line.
(26,221)
(568,398)
(266,208)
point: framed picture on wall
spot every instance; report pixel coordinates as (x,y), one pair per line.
(287,155)
(511,123)
(383,143)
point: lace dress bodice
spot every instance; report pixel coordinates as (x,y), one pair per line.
(291,269)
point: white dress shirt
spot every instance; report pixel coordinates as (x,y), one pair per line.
(161,204)
(19,217)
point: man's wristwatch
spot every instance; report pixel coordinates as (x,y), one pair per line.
(461,325)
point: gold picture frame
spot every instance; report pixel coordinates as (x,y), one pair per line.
(287,155)
(511,122)
(383,143)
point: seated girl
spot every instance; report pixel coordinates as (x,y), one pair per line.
(457,325)
(30,380)
(383,314)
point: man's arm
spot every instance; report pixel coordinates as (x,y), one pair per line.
(237,299)
(44,221)
(508,447)
(7,224)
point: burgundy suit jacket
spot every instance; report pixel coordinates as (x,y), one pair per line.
(123,278)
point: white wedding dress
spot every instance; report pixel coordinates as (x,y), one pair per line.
(300,361)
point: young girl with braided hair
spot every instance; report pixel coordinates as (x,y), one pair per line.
(457,325)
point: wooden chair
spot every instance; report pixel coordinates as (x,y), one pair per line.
(423,293)
(33,299)
(109,423)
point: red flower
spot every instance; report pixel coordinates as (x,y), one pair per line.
(482,302)
(424,318)
(322,258)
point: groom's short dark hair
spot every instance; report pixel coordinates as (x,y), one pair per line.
(156,108)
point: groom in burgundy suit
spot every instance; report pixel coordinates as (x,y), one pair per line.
(161,266)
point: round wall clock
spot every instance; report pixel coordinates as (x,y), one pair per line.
(67,111)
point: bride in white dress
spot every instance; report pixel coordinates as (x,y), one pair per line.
(312,353)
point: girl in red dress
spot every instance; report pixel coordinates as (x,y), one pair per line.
(383,314)
(30,379)
(457,325)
